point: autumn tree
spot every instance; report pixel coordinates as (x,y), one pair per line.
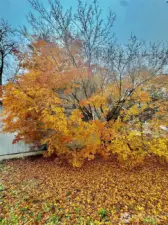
(83,94)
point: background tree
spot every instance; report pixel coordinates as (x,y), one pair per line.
(8,46)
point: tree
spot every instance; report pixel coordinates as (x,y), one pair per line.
(41,107)
(83,94)
(7,45)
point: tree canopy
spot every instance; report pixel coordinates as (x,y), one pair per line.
(82,94)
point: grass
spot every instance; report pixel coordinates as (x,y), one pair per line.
(1,166)
(43,191)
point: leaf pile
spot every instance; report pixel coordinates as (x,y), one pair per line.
(45,191)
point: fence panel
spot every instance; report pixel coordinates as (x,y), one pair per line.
(6,146)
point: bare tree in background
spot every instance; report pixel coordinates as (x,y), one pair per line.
(7,45)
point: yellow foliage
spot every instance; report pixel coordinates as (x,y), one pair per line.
(67,110)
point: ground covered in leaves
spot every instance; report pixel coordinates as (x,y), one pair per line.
(43,191)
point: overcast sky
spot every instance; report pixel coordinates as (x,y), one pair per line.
(147,19)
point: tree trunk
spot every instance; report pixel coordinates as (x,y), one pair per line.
(1,68)
(1,73)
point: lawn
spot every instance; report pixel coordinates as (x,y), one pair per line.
(44,191)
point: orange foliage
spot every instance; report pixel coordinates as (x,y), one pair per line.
(59,104)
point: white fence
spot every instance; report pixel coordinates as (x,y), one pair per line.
(6,146)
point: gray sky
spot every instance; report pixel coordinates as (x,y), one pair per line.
(147,19)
